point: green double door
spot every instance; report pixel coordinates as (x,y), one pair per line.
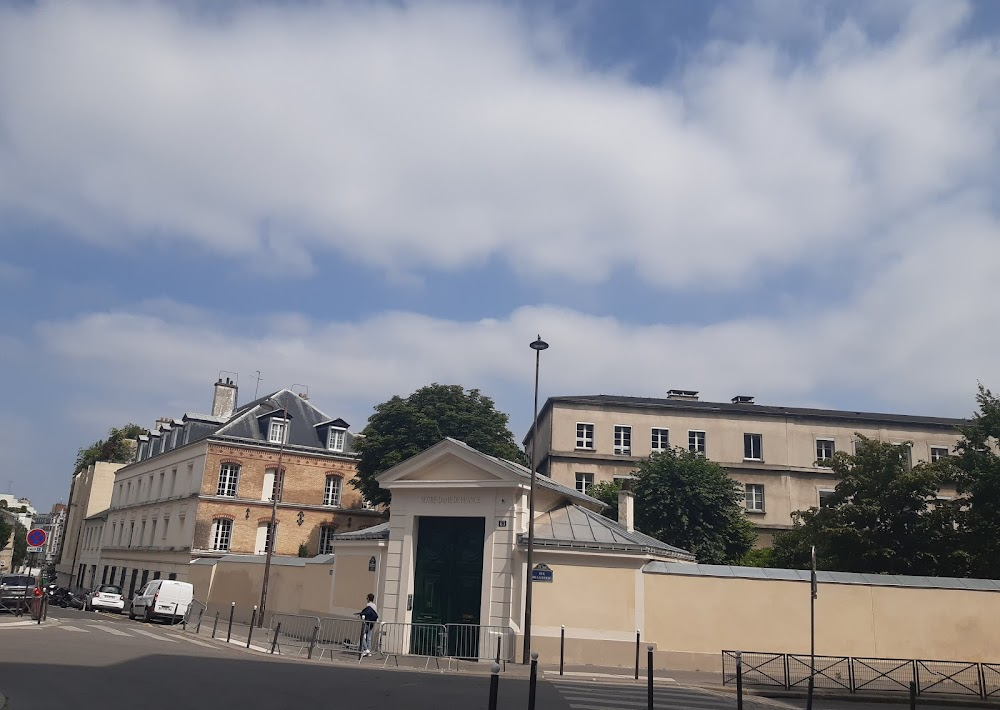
(448,579)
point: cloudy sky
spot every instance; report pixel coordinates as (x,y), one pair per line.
(794,200)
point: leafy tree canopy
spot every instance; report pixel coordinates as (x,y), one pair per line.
(882,519)
(6,528)
(117,448)
(20,545)
(607,493)
(686,500)
(401,428)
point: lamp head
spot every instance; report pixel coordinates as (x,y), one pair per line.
(539,344)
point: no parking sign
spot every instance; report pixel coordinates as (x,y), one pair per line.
(36,539)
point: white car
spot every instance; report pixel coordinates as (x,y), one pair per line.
(164,599)
(107,597)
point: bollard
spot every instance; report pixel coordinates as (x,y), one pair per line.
(253,622)
(739,680)
(637,654)
(197,628)
(562,647)
(532,682)
(312,642)
(173,617)
(232,610)
(809,693)
(913,695)
(494,685)
(38,611)
(649,676)
(215,624)
(274,641)
(499,641)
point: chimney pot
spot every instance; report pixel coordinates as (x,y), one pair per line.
(224,400)
(626,506)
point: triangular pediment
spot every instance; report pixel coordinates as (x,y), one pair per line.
(447,462)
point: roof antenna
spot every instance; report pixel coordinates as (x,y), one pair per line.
(257,386)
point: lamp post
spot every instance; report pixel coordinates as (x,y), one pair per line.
(538,345)
(279,482)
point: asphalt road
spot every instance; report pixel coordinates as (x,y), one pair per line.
(91,660)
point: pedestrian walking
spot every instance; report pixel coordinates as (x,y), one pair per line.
(370,616)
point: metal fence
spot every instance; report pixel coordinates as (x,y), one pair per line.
(472,642)
(194,614)
(343,635)
(861,674)
(428,641)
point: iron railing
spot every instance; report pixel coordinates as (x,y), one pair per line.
(863,674)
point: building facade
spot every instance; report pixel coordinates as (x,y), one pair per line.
(89,494)
(776,454)
(203,486)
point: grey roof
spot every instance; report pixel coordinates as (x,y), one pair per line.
(690,405)
(823,577)
(280,560)
(573,526)
(375,532)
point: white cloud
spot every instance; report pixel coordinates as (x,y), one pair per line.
(437,136)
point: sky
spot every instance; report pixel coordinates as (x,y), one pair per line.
(787,199)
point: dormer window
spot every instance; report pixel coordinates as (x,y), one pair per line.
(336,439)
(277,432)
(142,451)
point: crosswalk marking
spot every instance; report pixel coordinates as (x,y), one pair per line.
(594,696)
(74,628)
(197,643)
(153,636)
(109,630)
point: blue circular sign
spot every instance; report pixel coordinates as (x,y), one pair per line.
(36,537)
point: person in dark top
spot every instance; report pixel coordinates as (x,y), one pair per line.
(370,616)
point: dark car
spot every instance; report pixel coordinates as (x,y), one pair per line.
(14,588)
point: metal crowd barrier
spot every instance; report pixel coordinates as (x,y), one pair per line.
(428,641)
(858,673)
(288,631)
(193,615)
(343,635)
(471,642)
(17,605)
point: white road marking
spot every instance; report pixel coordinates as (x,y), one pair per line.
(153,636)
(197,643)
(109,630)
(74,628)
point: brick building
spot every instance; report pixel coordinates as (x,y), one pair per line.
(203,485)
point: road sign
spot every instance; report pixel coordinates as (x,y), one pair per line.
(36,538)
(541,573)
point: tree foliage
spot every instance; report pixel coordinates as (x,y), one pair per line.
(607,493)
(401,428)
(20,545)
(117,448)
(6,528)
(686,500)
(883,518)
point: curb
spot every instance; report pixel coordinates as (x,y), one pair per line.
(950,701)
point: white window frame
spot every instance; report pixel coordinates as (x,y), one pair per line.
(582,477)
(833,448)
(166,526)
(938,447)
(142,451)
(581,440)
(222,534)
(326,540)
(819,495)
(334,499)
(623,432)
(229,479)
(266,526)
(659,439)
(750,497)
(748,446)
(277,429)
(909,452)
(693,445)
(336,439)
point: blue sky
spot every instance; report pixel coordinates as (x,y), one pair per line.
(795,200)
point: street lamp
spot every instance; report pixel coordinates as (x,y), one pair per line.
(537,346)
(279,482)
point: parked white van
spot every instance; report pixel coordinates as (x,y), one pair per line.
(162,599)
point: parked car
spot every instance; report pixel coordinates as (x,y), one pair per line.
(107,597)
(165,599)
(14,588)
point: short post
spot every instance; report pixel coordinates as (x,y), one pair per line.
(215,624)
(197,628)
(637,654)
(739,680)
(274,640)
(913,695)
(533,680)
(312,641)
(39,610)
(253,622)
(173,617)
(499,641)
(562,648)
(229,632)
(649,676)
(809,693)
(494,685)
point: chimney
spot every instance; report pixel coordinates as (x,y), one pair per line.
(626,506)
(743,399)
(224,401)
(683,394)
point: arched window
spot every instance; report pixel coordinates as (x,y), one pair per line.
(273,484)
(222,534)
(229,477)
(331,493)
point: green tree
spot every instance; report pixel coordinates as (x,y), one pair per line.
(607,493)
(117,448)
(976,471)
(20,545)
(760,557)
(401,428)
(6,528)
(881,519)
(686,500)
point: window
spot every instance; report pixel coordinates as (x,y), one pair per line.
(755,497)
(696,441)
(752,447)
(152,533)
(331,493)
(222,533)
(584,436)
(336,439)
(142,451)
(584,481)
(659,440)
(825,449)
(159,491)
(229,476)
(142,533)
(824,498)
(173,483)
(623,440)
(326,540)
(272,486)
(939,452)
(264,538)
(114,527)
(278,431)
(166,526)
(906,453)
